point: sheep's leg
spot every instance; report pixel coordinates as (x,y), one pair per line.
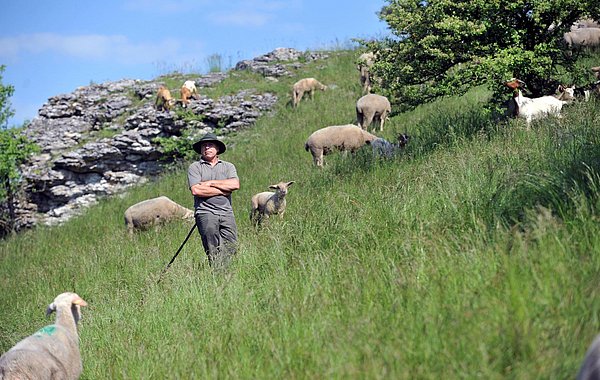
(299,96)
(360,118)
(312,94)
(368,119)
(318,157)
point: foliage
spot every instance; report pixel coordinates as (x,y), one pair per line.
(14,150)
(444,47)
(6,91)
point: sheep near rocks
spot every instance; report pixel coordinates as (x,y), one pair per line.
(188,91)
(269,203)
(590,368)
(364,63)
(164,101)
(153,212)
(336,137)
(53,351)
(305,85)
(372,107)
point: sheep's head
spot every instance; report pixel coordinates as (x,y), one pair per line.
(282,187)
(403,140)
(66,300)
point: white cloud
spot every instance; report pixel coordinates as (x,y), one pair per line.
(92,47)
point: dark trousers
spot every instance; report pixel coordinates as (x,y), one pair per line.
(219,236)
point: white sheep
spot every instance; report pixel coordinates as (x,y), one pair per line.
(590,368)
(53,351)
(305,85)
(153,212)
(583,37)
(533,108)
(269,203)
(364,63)
(188,91)
(336,137)
(372,107)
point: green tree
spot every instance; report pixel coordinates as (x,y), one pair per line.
(445,47)
(14,150)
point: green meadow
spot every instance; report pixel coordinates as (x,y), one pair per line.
(475,253)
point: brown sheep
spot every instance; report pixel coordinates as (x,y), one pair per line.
(164,100)
(154,211)
(305,85)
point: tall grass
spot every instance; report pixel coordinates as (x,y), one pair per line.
(472,254)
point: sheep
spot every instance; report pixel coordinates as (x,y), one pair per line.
(188,90)
(583,37)
(164,100)
(596,71)
(305,85)
(336,137)
(365,61)
(370,108)
(53,351)
(383,148)
(590,368)
(528,108)
(269,203)
(154,211)
(571,93)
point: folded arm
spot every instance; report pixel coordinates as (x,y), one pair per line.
(215,187)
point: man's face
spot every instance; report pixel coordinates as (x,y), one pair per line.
(208,149)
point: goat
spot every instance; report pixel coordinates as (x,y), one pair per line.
(533,108)
(164,100)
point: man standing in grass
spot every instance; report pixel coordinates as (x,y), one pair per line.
(212,181)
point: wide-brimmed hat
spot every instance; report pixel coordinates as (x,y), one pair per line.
(210,137)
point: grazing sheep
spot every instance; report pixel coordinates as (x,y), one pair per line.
(528,108)
(383,148)
(188,91)
(164,100)
(269,203)
(364,63)
(590,368)
(53,351)
(154,211)
(596,71)
(305,85)
(583,37)
(336,137)
(370,108)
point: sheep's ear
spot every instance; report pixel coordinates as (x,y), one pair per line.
(79,302)
(50,309)
(290,183)
(274,187)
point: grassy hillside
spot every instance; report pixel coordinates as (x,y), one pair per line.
(474,254)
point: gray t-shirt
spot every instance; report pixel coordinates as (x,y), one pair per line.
(201,171)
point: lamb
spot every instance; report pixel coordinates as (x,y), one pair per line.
(365,61)
(528,108)
(153,212)
(336,137)
(372,107)
(590,368)
(305,85)
(583,37)
(385,149)
(269,203)
(53,351)
(164,100)
(188,91)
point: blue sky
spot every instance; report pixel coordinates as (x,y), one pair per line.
(53,47)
